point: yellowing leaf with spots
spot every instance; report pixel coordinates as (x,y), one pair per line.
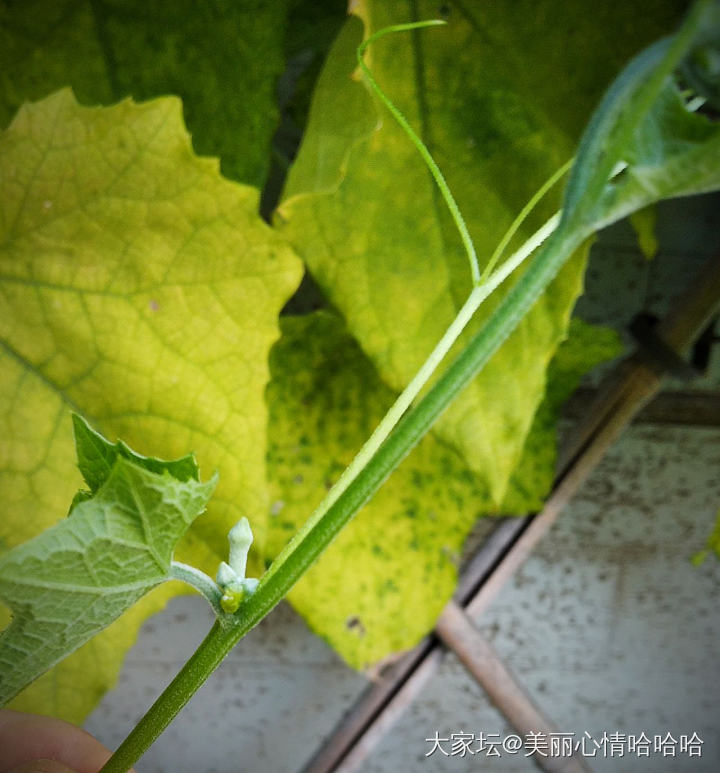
(140,289)
(381,585)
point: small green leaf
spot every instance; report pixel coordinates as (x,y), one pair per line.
(643,142)
(674,153)
(97,457)
(74,579)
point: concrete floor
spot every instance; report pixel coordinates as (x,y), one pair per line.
(608,625)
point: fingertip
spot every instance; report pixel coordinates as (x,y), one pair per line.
(42,766)
(27,738)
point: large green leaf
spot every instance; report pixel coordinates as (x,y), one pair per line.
(117,543)
(500,96)
(380,587)
(675,152)
(140,289)
(645,142)
(223,58)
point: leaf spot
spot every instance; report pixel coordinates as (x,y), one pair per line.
(354,624)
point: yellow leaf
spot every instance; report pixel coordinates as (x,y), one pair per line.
(140,289)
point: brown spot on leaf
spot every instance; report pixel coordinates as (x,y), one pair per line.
(354,623)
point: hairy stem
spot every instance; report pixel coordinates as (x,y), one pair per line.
(201,582)
(202,663)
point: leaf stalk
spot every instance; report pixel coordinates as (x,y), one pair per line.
(202,583)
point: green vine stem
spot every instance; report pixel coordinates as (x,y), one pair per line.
(618,115)
(411,391)
(303,550)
